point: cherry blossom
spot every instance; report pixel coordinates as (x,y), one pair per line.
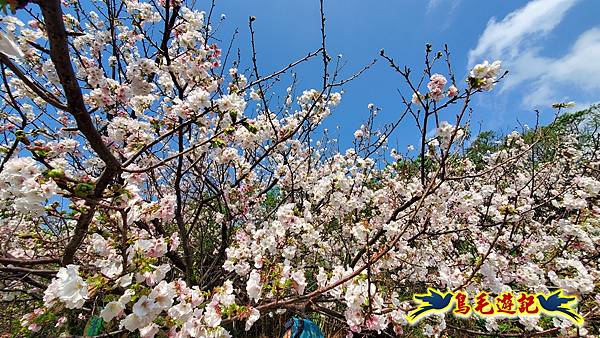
(155,182)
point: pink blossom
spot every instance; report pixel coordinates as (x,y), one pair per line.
(436,86)
(452,91)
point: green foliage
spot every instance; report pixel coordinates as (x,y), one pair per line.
(94,326)
(56,173)
(583,123)
(218,142)
(272,198)
(83,189)
(486,142)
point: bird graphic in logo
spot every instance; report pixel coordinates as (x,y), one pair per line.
(557,303)
(431,302)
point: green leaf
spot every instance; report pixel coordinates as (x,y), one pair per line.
(218,142)
(83,189)
(251,127)
(94,326)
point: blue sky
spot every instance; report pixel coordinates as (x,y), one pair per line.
(550,47)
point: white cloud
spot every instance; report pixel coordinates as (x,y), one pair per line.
(516,40)
(433,4)
(578,70)
(537,18)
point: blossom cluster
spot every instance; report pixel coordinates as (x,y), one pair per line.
(485,75)
(197,208)
(436,87)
